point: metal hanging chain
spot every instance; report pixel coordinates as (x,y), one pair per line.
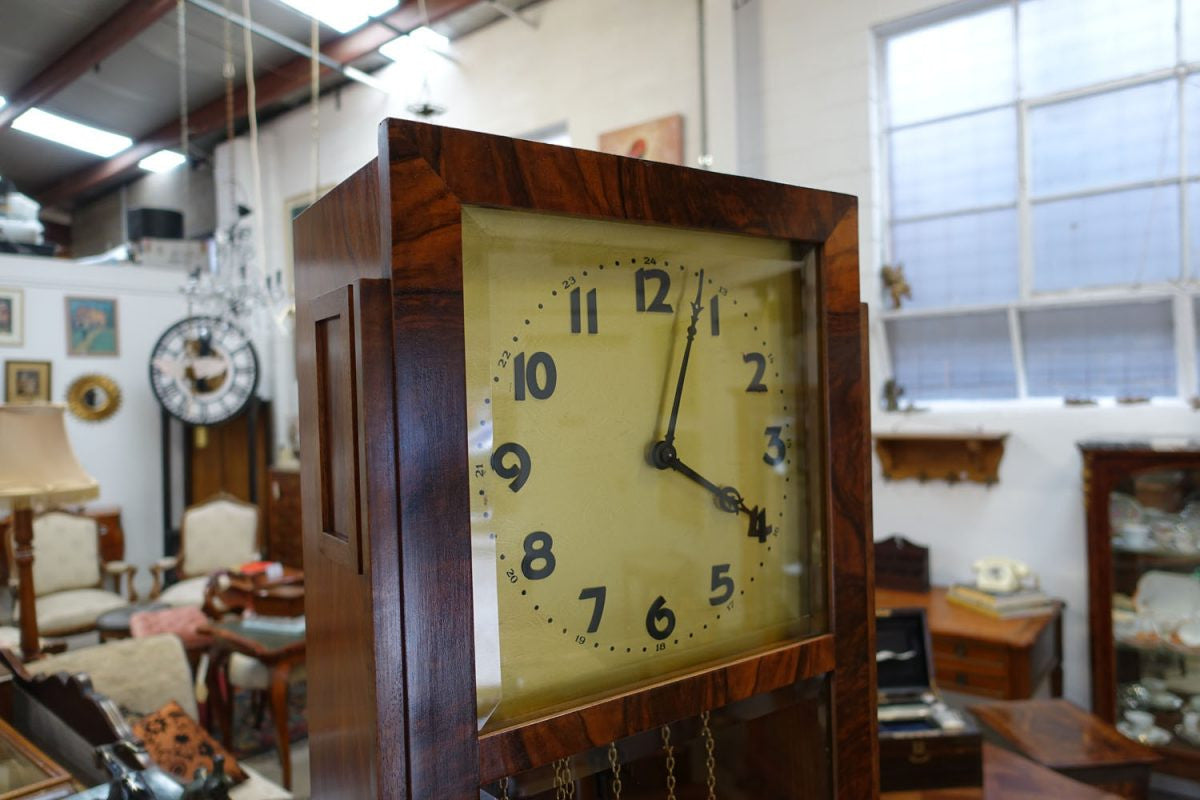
(666,739)
(710,760)
(564,781)
(504,789)
(614,764)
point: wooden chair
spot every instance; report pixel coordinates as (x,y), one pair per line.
(69,575)
(220,533)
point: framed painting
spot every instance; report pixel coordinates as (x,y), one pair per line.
(656,140)
(92,326)
(12,317)
(27,381)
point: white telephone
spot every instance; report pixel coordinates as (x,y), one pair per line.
(1001,575)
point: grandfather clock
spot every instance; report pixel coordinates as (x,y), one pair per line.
(585,479)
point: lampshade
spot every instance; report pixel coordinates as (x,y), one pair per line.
(37,464)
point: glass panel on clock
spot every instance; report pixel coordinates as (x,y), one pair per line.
(644,442)
(750,759)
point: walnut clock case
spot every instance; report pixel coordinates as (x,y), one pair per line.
(584,475)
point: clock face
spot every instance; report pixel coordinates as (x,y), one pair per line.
(629,521)
(203,370)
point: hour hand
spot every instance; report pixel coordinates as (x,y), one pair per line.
(728,499)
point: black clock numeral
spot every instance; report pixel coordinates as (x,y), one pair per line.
(537,548)
(759,529)
(518,473)
(593,322)
(660,615)
(714,314)
(721,582)
(664,288)
(776,444)
(760,366)
(526,376)
(596,593)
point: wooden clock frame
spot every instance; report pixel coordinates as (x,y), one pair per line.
(380,360)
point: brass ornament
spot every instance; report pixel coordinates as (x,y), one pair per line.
(93,397)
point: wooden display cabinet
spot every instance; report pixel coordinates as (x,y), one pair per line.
(1142,501)
(476,316)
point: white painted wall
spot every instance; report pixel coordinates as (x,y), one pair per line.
(801,108)
(123,452)
(809,115)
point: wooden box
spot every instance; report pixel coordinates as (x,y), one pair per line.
(929,748)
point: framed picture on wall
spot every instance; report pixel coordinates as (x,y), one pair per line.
(656,140)
(27,381)
(12,317)
(92,326)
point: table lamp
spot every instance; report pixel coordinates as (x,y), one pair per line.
(37,468)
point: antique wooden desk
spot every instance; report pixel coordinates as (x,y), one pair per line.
(1008,775)
(974,654)
(281,653)
(1070,741)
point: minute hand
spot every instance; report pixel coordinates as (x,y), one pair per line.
(669,439)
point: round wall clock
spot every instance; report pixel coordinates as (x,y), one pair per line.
(642,419)
(203,370)
(93,397)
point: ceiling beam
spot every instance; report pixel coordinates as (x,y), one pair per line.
(270,87)
(102,41)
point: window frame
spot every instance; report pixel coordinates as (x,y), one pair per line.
(1183,292)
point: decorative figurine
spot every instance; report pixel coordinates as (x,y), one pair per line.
(896,284)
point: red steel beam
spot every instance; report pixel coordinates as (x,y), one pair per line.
(270,87)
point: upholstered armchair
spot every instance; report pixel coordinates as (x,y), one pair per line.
(220,533)
(142,675)
(69,575)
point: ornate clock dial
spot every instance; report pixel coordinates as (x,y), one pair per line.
(203,370)
(638,444)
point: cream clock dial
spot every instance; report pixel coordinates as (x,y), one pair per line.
(640,447)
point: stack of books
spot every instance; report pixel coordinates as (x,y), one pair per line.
(1008,605)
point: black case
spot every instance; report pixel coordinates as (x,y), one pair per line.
(919,754)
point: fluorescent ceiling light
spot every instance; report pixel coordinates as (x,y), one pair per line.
(72,134)
(3,102)
(162,161)
(402,47)
(342,15)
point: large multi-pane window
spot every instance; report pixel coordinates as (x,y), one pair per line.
(1043,196)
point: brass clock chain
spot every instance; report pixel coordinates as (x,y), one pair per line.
(614,763)
(710,760)
(564,781)
(504,789)
(666,738)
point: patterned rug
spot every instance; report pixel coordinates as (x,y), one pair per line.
(249,740)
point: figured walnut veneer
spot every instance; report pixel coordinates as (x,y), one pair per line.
(384,470)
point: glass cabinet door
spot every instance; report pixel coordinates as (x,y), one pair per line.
(1154,519)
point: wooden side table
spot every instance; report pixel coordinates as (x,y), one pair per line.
(974,654)
(280,652)
(1072,742)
